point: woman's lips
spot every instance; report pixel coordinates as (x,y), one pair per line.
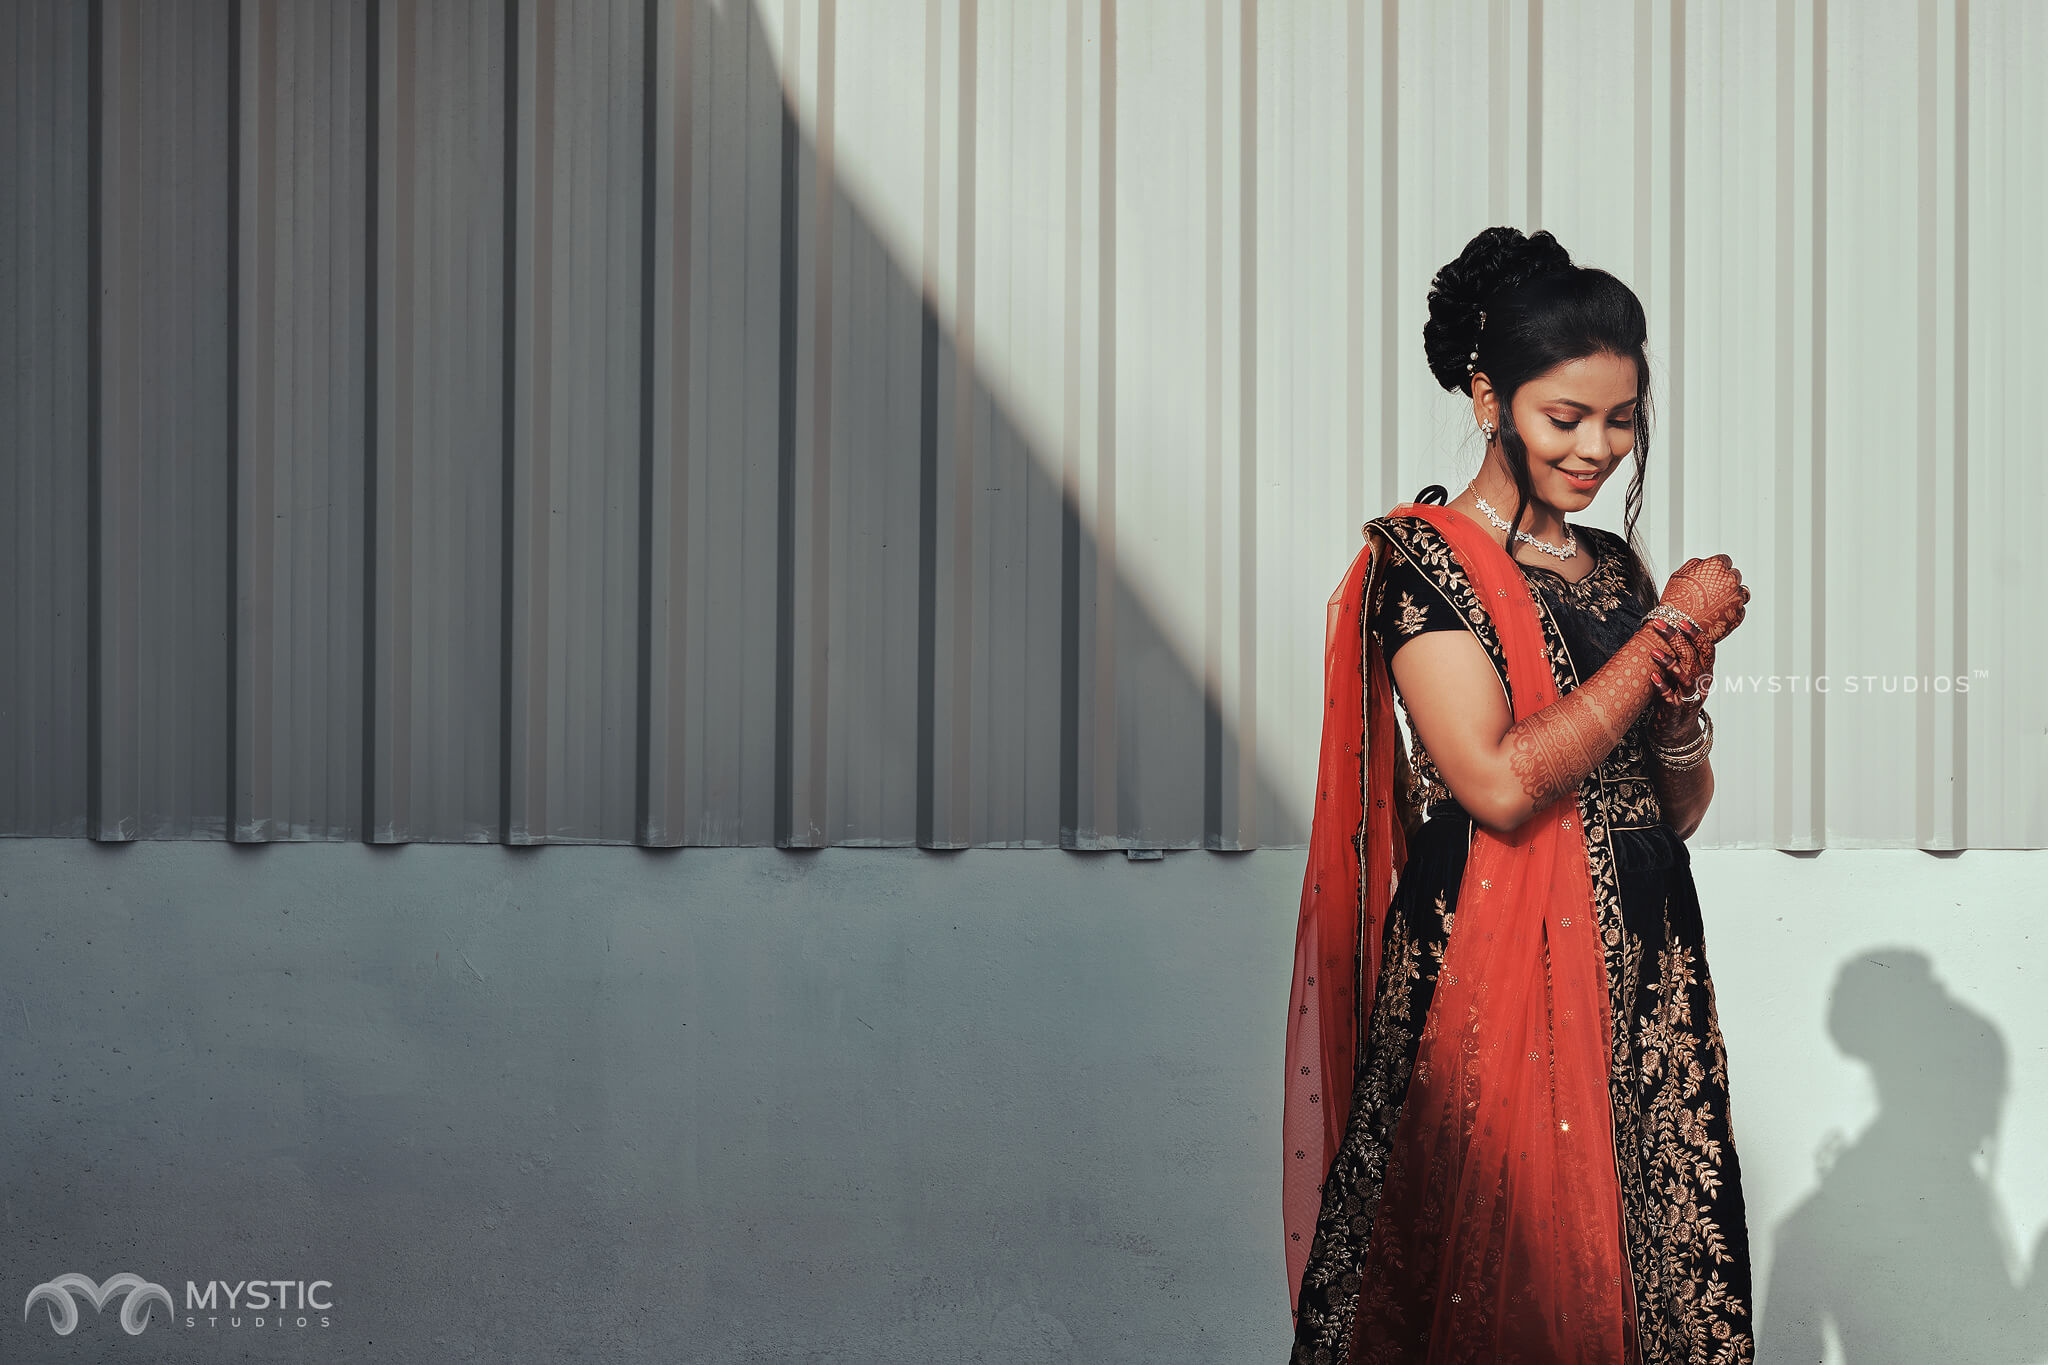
(1581,480)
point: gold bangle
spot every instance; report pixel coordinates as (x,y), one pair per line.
(1694,751)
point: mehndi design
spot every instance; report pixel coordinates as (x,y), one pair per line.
(1553,750)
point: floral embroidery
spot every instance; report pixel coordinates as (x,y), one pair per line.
(1412,616)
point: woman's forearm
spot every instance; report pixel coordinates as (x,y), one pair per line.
(1684,794)
(1550,753)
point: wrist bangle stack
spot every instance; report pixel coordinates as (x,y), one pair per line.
(1692,752)
(1664,611)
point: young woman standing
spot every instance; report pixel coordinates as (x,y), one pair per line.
(1507,1126)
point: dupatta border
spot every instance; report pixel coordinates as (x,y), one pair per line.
(1425,546)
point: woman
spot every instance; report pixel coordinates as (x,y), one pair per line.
(1507,1129)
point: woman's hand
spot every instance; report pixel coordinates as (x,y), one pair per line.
(1688,674)
(1711,592)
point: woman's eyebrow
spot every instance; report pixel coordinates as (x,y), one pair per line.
(1587,407)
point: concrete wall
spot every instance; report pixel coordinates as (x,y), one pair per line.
(875,1105)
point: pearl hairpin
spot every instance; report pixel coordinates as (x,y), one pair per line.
(1473,359)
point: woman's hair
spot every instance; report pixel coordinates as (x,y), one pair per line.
(1541,312)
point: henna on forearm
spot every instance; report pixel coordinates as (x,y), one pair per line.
(1552,751)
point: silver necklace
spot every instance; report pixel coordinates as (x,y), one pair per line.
(1564,551)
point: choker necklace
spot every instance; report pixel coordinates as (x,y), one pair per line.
(1564,551)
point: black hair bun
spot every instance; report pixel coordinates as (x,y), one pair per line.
(1498,259)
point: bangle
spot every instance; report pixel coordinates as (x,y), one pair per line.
(1694,751)
(1664,611)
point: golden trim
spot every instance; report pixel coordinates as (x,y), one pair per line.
(1500,676)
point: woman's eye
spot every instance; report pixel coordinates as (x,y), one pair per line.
(1624,422)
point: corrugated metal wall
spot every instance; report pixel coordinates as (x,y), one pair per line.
(943,421)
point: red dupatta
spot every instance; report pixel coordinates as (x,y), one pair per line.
(1499,1232)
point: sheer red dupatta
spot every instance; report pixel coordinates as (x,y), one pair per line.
(1337,941)
(1498,1235)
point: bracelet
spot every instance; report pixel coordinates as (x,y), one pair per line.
(1694,751)
(1664,611)
(1692,744)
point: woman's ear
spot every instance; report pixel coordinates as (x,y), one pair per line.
(1485,403)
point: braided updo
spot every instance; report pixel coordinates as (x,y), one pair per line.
(1542,311)
(1493,265)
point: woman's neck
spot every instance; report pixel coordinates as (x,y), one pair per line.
(1497,487)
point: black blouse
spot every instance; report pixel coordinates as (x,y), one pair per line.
(1594,616)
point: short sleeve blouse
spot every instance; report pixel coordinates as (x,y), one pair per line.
(1406,605)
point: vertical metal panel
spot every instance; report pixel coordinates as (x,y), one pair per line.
(859,467)
(944,422)
(435,649)
(713,549)
(1721,163)
(809,61)
(668,801)
(298,390)
(44,118)
(1162,488)
(158,752)
(1005,491)
(1874,380)
(948,248)
(1793,737)
(573,646)
(1322,389)
(2003,105)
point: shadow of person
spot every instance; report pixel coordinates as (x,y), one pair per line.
(1902,1249)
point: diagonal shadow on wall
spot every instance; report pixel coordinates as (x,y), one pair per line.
(512,430)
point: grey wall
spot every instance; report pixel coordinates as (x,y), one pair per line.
(940,423)
(880,1105)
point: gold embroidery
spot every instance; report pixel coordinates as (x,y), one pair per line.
(1680,1056)
(1413,617)
(1600,591)
(1687,1313)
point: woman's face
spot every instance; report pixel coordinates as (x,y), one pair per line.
(1578,421)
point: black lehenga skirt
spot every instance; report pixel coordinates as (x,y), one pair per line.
(1688,1243)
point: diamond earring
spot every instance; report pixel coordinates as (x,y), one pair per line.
(1486,430)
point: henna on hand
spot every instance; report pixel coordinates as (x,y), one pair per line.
(1711,592)
(1688,676)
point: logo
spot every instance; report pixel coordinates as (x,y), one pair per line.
(269,1304)
(55,1296)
